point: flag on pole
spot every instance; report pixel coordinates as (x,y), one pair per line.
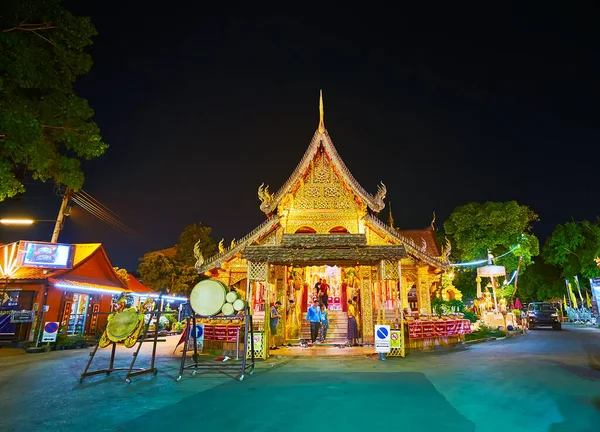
(182,338)
(572,294)
(564,300)
(579,289)
(588,302)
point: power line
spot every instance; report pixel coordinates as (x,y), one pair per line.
(102,212)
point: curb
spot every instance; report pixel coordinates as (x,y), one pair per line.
(478,341)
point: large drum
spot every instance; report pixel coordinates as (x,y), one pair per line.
(208,297)
(122,325)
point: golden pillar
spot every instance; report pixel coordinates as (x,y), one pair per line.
(281,296)
(423,289)
(478,280)
(366,305)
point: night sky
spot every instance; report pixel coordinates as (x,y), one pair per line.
(444,107)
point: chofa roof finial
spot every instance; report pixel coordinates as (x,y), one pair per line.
(321,113)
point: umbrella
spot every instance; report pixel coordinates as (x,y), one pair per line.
(518,304)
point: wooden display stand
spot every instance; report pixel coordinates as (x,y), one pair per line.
(234,370)
(131,370)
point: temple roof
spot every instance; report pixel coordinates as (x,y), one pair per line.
(317,255)
(260,231)
(413,248)
(427,234)
(321,139)
(323,240)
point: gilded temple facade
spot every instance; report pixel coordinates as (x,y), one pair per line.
(321,224)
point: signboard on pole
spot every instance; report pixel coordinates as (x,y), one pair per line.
(50,332)
(382,338)
(199,337)
(24,316)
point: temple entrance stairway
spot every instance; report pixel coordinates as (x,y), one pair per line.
(338,328)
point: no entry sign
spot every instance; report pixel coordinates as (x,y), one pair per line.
(382,338)
(50,332)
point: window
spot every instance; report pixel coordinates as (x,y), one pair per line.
(78,314)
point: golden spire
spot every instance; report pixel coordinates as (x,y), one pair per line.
(321,113)
(391,218)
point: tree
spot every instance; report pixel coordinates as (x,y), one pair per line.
(541,282)
(178,274)
(45,128)
(573,247)
(123,275)
(475,228)
(192,234)
(157,271)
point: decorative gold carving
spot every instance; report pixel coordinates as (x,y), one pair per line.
(322,189)
(389,270)
(265,197)
(374,239)
(423,289)
(198,255)
(258,271)
(378,200)
(270,240)
(366,307)
(221,246)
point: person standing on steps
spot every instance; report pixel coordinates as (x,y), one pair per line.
(273,323)
(324,294)
(324,322)
(313,316)
(352,326)
(318,287)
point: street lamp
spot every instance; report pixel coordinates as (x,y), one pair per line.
(23,221)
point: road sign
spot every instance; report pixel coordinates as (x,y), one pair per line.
(382,338)
(395,339)
(50,332)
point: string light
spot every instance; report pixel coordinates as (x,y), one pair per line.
(484,260)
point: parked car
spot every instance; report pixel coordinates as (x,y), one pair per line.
(543,314)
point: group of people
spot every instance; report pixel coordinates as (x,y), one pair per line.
(319,322)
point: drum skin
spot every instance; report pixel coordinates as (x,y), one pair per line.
(208,297)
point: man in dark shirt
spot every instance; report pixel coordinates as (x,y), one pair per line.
(318,287)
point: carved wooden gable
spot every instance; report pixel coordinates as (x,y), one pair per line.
(321,200)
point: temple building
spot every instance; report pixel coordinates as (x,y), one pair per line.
(322,225)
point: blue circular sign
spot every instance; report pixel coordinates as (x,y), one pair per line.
(382,333)
(50,327)
(199,331)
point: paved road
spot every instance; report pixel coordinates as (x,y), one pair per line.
(545,381)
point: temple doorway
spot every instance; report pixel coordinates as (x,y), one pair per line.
(328,284)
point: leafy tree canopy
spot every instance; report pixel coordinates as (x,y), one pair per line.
(475,228)
(123,275)
(541,282)
(178,274)
(573,247)
(191,235)
(45,128)
(157,271)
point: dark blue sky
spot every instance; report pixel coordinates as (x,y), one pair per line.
(445,107)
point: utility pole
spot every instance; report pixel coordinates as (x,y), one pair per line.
(61,215)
